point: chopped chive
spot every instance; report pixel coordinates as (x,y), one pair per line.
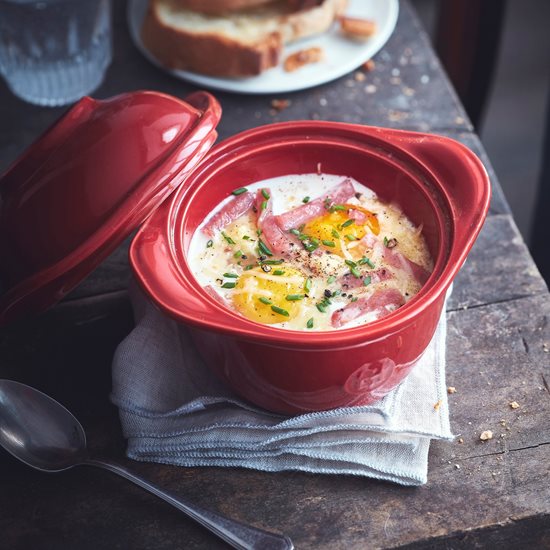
(348,223)
(231,275)
(266,194)
(279,272)
(351,263)
(315,241)
(366,281)
(264,205)
(310,323)
(385,241)
(240,191)
(354,299)
(272,262)
(294,297)
(321,307)
(210,244)
(248,267)
(303,236)
(331,279)
(246,237)
(305,200)
(227,238)
(339,207)
(229,285)
(258,232)
(265,300)
(329,243)
(355,272)
(364,260)
(309,246)
(350,237)
(280,311)
(295,232)
(307,285)
(263,248)
(337,292)
(238,254)
(335,234)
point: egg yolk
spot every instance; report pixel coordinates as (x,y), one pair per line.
(342,226)
(271,297)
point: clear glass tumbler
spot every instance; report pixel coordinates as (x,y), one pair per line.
(53,52)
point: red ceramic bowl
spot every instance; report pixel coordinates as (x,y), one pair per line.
(438,182)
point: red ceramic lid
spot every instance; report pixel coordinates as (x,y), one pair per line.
(84,185)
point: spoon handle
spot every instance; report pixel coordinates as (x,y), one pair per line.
(238,535)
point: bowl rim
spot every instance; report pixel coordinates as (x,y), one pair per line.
(216,317)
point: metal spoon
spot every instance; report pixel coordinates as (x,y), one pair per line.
(43,434)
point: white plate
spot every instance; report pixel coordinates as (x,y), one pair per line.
(342,55)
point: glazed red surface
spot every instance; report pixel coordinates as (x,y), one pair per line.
(83,186)
(438,182)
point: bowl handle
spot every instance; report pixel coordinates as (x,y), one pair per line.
(463,179)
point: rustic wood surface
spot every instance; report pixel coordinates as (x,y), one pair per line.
(479,494)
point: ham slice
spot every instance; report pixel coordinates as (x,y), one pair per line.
(234,209)
(297,216)
(349,281)
(383,302)
(277,240)
(396,259)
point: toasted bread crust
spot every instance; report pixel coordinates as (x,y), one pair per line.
(219,54)
(214,54)
(216,7)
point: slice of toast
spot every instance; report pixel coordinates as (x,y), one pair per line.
(243,43)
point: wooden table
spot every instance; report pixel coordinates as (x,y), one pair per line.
(479,494)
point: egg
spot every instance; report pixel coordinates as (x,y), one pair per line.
(270,297)
(334,230)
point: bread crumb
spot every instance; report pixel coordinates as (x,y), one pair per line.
(357,28)
(457,466)
(368,65)
(360,77)
(486,435)
(451,389)
(437,405)
(514,405)
(370,89)
(303,57)
(280,104)
(546,347)
(503,422)
(460,440)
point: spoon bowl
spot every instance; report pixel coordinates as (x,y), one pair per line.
(38,430)
(43,434)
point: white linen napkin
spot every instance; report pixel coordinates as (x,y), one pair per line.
(173,410)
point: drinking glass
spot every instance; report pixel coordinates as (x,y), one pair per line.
(53,52)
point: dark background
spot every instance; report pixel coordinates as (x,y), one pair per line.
(514,120)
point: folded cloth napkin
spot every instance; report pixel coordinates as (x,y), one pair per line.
(174,411)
